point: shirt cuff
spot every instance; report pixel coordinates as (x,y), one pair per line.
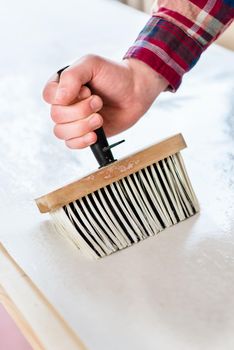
(167,49)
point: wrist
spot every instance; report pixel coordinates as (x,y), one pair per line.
(147,82)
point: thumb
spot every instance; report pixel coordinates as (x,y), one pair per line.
(73,78)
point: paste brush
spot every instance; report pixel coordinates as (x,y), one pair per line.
(125,201)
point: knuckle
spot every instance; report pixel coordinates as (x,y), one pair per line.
(58,132)
(82,127)
(46,94)
(92,59)
(74,144)
(70,144)
(54,113)
(84,92)
(82,109)
(98,117)
(92,138)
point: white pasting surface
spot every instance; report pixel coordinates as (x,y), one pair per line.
(173,291)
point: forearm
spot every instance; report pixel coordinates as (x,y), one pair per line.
(177,34)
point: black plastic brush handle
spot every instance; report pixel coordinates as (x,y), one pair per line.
(101,148)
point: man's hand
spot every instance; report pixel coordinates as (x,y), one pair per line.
(117,96)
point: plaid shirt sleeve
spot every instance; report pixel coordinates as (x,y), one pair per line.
(177,34)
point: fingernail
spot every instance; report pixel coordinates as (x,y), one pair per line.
(85,93)
(95,104)
(89,139)
(60,94)
(94,122)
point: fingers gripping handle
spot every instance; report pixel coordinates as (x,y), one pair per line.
(101,148)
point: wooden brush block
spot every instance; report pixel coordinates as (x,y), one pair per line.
(111,173)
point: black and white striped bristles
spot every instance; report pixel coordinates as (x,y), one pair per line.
(129,210)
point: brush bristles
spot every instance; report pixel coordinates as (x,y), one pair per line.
(129,210)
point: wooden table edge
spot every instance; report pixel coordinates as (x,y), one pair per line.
(21,298)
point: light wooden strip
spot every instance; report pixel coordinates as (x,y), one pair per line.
(111,173)
(20,321)
(40,323)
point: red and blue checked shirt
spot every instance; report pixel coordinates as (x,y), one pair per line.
(177,34)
